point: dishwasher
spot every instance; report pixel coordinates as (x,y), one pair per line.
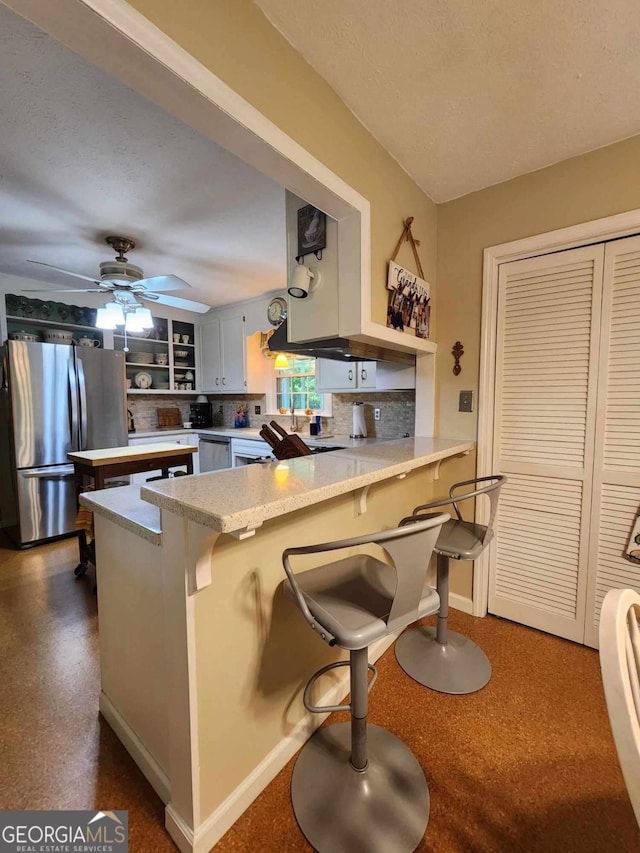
(214,453)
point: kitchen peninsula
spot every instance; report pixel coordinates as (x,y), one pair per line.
(202,658)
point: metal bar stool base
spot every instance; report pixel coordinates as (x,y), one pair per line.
(383,809)
(457,667)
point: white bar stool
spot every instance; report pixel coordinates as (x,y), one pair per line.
(358,787)
(441,659)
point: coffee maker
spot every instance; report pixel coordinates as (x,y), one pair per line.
(201,414)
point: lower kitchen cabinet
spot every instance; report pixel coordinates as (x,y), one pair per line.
(363,375)
(177,438)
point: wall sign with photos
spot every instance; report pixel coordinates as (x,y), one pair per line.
(408,301)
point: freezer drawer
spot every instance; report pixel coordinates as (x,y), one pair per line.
(46,502)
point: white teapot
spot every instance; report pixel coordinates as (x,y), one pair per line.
(87,342)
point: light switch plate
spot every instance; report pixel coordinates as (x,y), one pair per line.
(465,403)
(257,410)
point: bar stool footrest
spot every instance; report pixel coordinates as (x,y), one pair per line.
(323,709)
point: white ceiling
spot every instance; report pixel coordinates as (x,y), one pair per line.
(83,156)
(470,93)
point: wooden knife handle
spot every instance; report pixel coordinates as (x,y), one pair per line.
(269,436)
(278,429)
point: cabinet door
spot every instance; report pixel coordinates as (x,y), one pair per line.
(367,371)
(232,348)
(210,357)
(390,376)
(336,375)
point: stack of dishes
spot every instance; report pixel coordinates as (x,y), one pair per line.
(140,357)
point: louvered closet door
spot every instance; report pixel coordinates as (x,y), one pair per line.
(547,351)
(616,487)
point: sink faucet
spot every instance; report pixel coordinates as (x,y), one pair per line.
(294,426)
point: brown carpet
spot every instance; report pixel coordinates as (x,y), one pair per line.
(527,764)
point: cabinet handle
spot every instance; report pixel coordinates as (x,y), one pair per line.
(350,375)
(217,382)
(363,374)
(223,382)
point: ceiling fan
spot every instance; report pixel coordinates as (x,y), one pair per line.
(127,281)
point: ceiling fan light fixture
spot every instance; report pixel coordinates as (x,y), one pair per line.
(110,316)
(133,322)
(143,315)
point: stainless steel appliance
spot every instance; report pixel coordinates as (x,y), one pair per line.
(54,398)
(214,453)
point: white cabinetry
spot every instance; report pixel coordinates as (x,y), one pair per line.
(177,438)
(231,363)
(362,375)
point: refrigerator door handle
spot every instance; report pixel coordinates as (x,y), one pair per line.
(82,387)
(57,472)
(73,409)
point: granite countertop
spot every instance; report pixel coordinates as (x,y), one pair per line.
(123,505)
(239,498)
(253,434)
(234,500)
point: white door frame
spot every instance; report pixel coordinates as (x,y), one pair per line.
(596,231)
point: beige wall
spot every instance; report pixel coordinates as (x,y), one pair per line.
(592,186)
(235,40)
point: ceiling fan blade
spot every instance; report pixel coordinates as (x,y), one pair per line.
(159,283)
(70,290)
(176,302)
(66,272)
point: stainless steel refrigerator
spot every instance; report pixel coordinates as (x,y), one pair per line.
(54,399)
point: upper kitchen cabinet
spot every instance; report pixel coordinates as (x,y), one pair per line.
(344,376)
(338,303)
(231,362)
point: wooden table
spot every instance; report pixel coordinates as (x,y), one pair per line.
(102,465)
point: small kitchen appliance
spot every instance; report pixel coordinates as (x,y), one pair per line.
(201,415)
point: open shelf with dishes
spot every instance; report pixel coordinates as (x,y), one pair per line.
(51,322)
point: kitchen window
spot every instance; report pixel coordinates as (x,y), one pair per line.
(295,387)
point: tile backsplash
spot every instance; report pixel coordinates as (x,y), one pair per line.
(397,411)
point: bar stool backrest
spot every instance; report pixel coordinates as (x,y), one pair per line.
(494,484)
(410,548)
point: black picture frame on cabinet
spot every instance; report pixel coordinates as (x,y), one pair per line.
(312,231)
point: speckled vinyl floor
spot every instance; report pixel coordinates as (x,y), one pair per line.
(527,764)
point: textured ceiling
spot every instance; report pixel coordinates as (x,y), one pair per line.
(470,93)
(82,156)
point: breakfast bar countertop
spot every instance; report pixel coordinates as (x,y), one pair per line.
(238,499)
(124,507)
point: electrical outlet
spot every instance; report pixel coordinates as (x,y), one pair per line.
(257,410)
(376,414)
(465,403)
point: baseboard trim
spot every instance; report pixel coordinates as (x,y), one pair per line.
(156,776)
(214,827)
(461,602)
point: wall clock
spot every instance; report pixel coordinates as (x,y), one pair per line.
(277,311)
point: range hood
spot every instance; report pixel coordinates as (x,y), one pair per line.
(337,349)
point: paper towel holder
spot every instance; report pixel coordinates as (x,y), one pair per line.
(359,428)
